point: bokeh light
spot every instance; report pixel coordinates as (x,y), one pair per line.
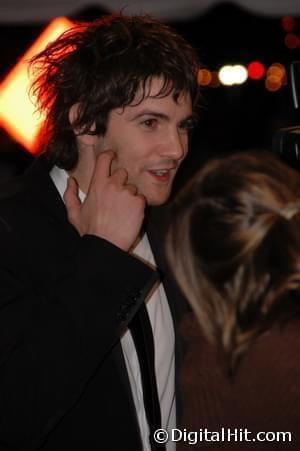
(215,82)
(276,77)
(256,70)
(233,75)
(291,40)
(17,110)
(240,74)
(273,83)
(288,24)
(204,77)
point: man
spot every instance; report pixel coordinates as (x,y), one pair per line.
(87,327)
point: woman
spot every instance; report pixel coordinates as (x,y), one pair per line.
(234,245)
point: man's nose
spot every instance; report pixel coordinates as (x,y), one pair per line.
(175,146)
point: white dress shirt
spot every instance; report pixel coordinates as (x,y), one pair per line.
(163,333)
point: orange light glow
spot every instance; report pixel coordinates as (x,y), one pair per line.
(17,111)
(273,83)
(277,72)
(204,77)
(215,82)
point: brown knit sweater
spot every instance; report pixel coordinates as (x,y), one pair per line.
(263,396)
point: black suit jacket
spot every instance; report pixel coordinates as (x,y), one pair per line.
(64,302)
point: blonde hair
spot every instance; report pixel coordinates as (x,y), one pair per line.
(234,244)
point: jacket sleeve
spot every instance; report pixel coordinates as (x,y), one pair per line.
(51,344)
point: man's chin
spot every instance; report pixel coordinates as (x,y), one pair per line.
(155,201)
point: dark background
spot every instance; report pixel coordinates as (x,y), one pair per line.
(231,118)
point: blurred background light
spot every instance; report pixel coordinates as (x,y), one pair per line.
(204,77)
(240,74)
(291,41)
(215,82)
(18,113)
(256,70)
(275,77)
(273,83)
(233,75)
(288,24)
(226,75)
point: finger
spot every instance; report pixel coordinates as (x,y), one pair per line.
(71,198)
(120,176)
(103,165)
(131,188)
(143,200)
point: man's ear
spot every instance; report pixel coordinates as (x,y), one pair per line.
(85,139)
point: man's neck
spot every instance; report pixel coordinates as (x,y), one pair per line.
(84,170)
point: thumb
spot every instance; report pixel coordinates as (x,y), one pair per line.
(71,199)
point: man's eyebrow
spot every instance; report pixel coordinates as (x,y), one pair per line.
(190,117)
(151,113)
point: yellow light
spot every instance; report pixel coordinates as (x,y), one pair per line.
(17,110)
(233,75)
(240,74)
(226,75)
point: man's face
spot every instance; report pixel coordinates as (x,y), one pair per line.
(150,141)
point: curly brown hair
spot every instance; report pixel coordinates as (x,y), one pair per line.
(100,66)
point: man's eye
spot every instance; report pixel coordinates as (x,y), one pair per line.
(150,123)
(187,126)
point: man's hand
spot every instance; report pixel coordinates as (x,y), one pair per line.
(112,208)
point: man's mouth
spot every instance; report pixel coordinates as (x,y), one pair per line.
(161,175)
(160,171)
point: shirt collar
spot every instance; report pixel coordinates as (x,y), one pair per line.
(60,177)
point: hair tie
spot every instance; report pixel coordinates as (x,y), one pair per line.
(290,210)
